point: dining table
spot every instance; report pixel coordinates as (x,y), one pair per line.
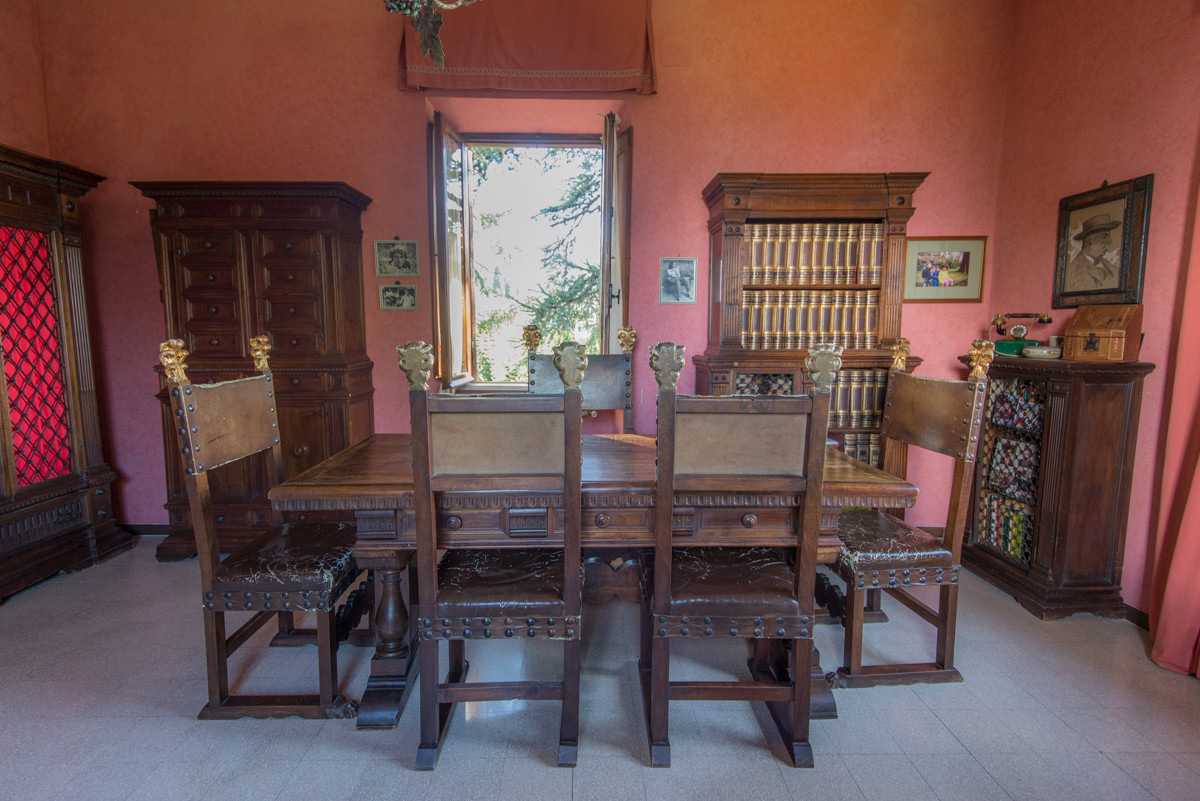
(372,480)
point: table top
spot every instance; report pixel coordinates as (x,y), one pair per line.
(376,473)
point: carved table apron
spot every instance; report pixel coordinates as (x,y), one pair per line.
(373,479)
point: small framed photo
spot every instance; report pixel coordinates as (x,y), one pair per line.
(1102,245)
(677,281)
(397,296)
(944,270)
(396,257)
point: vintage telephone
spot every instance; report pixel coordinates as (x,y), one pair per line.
(1016,342)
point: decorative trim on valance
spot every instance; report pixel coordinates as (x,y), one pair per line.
(538,46)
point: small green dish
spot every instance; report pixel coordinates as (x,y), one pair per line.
(1014,347)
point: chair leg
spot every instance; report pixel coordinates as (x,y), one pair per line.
(660,688)
(568,733)
(852,651)
(217,656)
(327,647)
(947,622)
(798,746)
(431,730)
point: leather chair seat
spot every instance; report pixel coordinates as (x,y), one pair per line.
(304,566)
(873,540)
(733,582)
(499,583)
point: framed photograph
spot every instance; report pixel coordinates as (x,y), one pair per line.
(397,296)
(396,257)
(677,281)
(1102,244)
(944,270)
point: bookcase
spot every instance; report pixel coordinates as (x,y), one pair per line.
(798,259)
(1053,480)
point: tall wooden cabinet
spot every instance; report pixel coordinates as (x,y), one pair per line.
(798,259)
(55,488)
(282,259)
(1053,479)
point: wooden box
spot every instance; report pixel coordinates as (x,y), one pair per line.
(1104,334)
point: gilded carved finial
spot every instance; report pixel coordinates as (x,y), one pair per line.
(900,354)
(626,337)
(570,361)
(532,335)
(981,354)
(666,360)
(416,360)
(260,349)
(823,363)
(174,360)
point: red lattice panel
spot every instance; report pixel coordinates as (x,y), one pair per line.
(33,368)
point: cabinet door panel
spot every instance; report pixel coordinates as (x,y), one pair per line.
(302,427)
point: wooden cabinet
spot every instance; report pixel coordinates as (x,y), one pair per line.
(282,259)
(1052,482)
(55,488)
(800,259)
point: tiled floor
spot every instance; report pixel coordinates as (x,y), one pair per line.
(102,673)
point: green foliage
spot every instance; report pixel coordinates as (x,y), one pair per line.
(427,22)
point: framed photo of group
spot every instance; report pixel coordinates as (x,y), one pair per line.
(1101,252)
(944,270)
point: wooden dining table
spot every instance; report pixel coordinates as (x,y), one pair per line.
(372,480)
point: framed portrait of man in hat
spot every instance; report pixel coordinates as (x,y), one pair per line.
(1102,244)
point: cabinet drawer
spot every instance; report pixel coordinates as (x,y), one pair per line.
(292,312)
(201,311)
(206,244)
(218,276)
(297,343)
(215,339)
(299,383)
(282,280)
(288,244)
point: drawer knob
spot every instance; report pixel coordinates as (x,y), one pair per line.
(291,309)
(208,244)
(210,278)
(214,342)
(212,309)
(293,342)
(287,245)
(300,450)
(602,520)
(749,521)
(453,522)
(295,382)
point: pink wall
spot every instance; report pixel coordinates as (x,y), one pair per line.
(22,104)
(143,90)
(1074,121)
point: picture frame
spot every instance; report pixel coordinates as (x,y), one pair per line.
(397,297)
(944,269)
(396,257)
(1101,249)
(677,280)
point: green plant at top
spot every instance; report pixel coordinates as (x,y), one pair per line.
(426,18)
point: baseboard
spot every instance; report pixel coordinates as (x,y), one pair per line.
(143,530)
(1137,617)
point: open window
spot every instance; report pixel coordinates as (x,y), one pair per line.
(573,284)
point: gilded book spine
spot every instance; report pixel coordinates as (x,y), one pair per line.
(873,450)
(877,242)
(841,267)
(825,324)
(791,318)
(791,267)
(856,397)
(872,318)
(753,304)
(754,233)
(804,273)
(746,315)
(859,326)
(818,257)
(802,319)
(836,317)
(853,250)
(850,444)
(829,266)
(842,390)
(770,254)
(770,311)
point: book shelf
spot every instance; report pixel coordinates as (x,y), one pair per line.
(800,259)
(1053,480)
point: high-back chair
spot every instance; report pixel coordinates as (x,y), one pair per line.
(607,385)
(497,483)
(715,454)
(288,568)
(881,552)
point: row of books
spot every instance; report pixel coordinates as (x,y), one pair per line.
(791,319)
(814,253)
(863,447)
(856,400)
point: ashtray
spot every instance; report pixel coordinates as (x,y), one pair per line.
(1042,352)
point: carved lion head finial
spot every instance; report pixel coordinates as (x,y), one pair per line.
(416,360)
(823,363)
(981,354)
(570,360)
(626,337)
(532,335)
(666,360)
(260,349)
(900,354)
(174,360)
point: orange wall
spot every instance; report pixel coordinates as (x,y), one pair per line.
(1075,120)
(142,90)
(22,105)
